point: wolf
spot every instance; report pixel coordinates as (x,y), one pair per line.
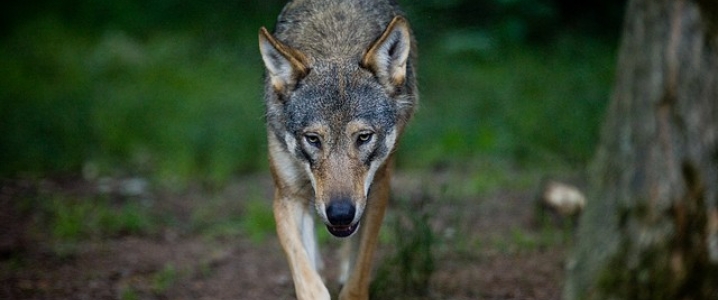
(339,90)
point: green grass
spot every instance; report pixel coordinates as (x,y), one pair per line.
(255,222)
(407,269)
(64,221)
(258,221)
(248,214)
(72,219)
(164,279)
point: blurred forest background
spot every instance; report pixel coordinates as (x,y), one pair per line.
(133,155)
(171,89)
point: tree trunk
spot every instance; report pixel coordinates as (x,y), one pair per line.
(650,230)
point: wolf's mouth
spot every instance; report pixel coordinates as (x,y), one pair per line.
(342,231)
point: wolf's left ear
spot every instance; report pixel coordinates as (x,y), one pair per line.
(387,57)
(285,66)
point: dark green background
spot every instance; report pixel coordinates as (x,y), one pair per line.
(172,89)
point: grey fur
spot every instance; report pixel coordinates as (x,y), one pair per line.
(334,28)
(335,34)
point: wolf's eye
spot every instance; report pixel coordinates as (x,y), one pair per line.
(313,139)
(364,138)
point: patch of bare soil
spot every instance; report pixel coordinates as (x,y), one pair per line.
(486,247)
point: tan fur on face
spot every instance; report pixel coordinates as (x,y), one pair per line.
(340,172)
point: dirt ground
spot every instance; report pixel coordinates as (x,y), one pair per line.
(485,247)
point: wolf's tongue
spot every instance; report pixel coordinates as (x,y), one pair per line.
(342,231)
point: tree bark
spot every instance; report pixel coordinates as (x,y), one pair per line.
(650,229)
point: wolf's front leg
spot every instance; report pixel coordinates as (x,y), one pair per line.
(291,216)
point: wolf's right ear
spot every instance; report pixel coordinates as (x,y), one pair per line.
(285,66)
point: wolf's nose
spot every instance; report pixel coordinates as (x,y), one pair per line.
(340,212)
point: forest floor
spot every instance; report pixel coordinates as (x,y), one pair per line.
(214,243)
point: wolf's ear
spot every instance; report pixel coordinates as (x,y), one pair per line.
(387,57)
(285,66)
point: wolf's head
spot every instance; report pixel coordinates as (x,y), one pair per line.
(334,121)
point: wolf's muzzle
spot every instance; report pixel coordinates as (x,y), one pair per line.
(340,214)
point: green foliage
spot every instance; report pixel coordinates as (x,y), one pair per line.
(166,106)
(153,89)
(530,106)
(178,111)
(43,113)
